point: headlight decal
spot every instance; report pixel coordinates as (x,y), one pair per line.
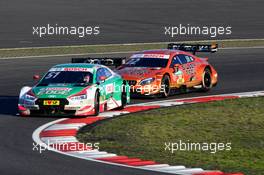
(30,96)
(147,81)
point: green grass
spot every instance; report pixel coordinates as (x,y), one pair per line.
(144,134)
(86,49)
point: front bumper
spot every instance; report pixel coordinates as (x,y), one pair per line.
(64,109)
(149,89)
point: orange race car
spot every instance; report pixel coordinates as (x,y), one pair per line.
(153,72)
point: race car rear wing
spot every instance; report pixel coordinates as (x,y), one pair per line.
(107,61)
(194,47)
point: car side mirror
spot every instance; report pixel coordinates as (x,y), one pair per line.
(36,77)
(102,78)
(176,67)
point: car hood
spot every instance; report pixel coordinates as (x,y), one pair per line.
(56,91)
(135,73)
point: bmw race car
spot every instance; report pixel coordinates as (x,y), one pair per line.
(77,89)
(153,72)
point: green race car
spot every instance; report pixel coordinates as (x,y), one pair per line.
(77,89)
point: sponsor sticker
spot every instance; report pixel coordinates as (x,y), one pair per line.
(51,102)
(73,69)
(58,89)
(76,69)
(151,56)
(179,77)
(109,88)
(54,91)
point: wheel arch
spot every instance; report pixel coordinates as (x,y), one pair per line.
(208,67)
(24,90)
(167,75)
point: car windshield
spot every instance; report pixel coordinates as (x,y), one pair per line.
(147,62)
(67,77)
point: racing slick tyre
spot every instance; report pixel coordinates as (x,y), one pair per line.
(165,86)
(123,97)
(207,80)
(97,103)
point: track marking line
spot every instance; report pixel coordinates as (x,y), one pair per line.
(65,126)
(122,52)
(112,53)
(65,139)
(131,44)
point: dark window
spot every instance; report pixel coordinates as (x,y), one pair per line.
(189,58)
(65,77)
(175,60)
(100,72)
(103,72)
(182,58)
(147,62)
(107,72)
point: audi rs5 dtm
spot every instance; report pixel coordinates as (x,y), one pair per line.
(77,89)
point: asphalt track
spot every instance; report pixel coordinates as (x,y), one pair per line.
(240,70)
(125,21)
